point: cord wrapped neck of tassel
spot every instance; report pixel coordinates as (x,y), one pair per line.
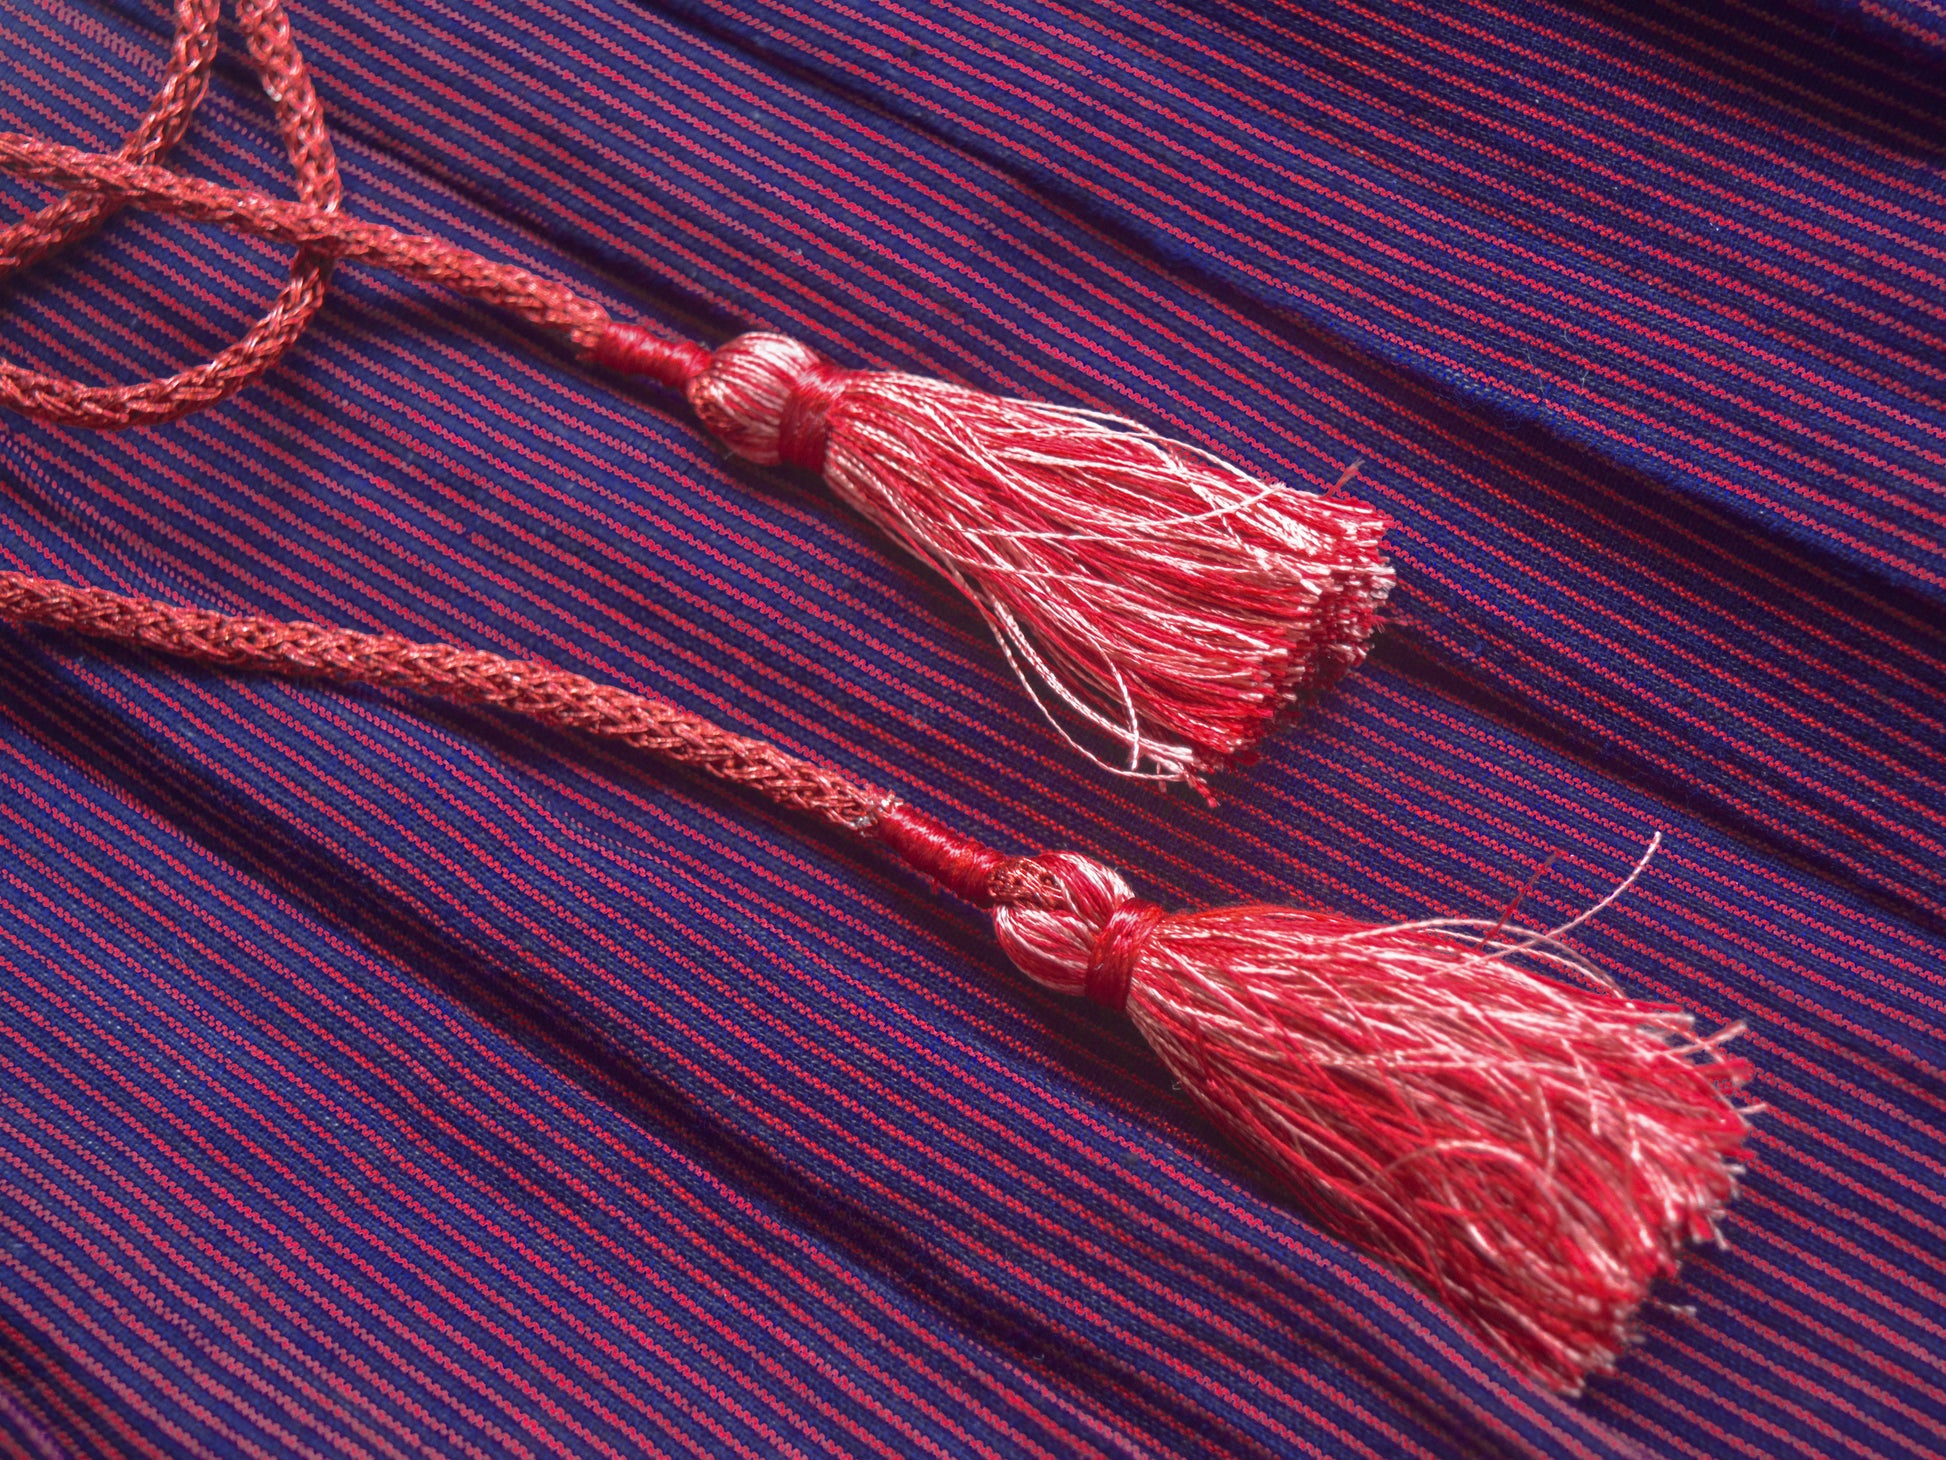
(1162,607)
(1473,1105)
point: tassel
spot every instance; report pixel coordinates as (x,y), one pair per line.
(1160,601)
(1169,603)
(1534,1153)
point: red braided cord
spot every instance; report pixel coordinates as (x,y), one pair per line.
(301,124)
(541,692)
(542,301)
(183,83)
(102,182)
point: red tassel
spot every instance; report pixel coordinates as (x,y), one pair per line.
(1145,592)
(1149,596)
(1533,1152)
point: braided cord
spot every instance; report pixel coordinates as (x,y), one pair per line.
(540,692)
(101,183)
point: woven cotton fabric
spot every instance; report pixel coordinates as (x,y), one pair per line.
(378,1079)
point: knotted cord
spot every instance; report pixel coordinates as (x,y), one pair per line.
(99,184)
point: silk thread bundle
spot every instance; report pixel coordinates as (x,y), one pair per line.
(1151,598)
(1468,1102)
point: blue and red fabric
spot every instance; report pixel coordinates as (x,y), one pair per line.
(384,1080)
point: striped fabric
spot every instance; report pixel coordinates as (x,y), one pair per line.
(377,1080)
(1921,22)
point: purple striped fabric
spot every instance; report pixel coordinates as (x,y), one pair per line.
(1920,24)
(380,1080)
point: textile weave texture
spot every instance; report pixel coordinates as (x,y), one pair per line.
(379,1079)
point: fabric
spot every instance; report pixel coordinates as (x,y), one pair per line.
(377,1079)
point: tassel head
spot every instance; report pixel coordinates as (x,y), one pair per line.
(1162,606)
(768,399)
(1476,1107)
